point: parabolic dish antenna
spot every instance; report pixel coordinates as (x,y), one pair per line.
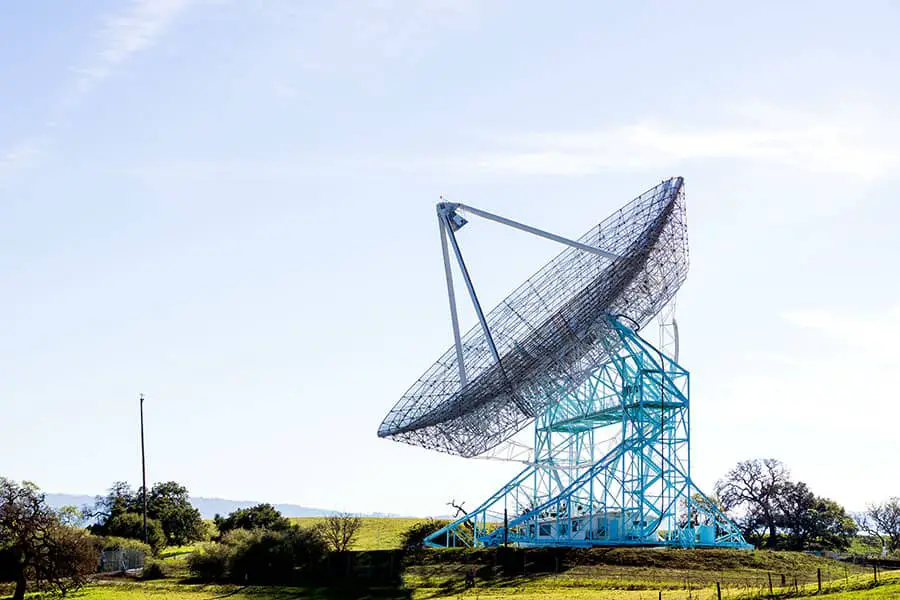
(563,352)
(544,340)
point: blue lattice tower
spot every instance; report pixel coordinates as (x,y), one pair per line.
(611,464)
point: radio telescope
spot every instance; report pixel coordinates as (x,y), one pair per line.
(610,462)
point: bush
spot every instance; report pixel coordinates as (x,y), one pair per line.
(131,526)
(211,562)
(279,557)
(260,557)
(154,569)
(114,543)
(414,537)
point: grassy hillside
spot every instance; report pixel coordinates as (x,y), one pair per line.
(550,588)
(377,533)
(538,574)
(548,571)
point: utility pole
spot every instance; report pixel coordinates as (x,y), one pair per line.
(143,470)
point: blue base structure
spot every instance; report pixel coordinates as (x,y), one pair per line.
(611,466)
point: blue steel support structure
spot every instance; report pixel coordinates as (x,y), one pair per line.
(611,466)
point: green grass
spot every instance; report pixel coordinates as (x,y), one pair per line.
(598,574)
(376,533)
(178,591)
(177,552)
(857,587)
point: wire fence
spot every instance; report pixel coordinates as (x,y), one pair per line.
(741,585)
(651,583)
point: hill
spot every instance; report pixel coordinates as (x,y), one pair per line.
(208,507)
(376,533)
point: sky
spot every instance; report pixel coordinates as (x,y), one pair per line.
(228,206)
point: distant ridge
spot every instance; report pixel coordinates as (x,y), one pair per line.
(209,507)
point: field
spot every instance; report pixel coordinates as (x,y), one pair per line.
(377,533)
(858,587)
(599,574)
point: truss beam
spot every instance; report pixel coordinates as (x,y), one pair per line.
(578,493)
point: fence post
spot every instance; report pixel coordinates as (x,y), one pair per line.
(819,578)
(875,572)
(718,591)
(771,593)
(783,580)
(660,594)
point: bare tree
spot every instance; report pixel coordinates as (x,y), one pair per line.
(883,521)
(459,507)
(340,530)
(45,552)
(753,486)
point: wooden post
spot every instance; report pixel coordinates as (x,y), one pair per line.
(771,593)
(783,582)
(505,528)
(796,589)
(660,594)
(819,578)
(875,572)
(718,591)
(143,472)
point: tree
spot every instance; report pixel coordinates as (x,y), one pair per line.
(169,504)
(41,549)
(753,486)
(701,511)
(131,526)
(810,522)
(120,499)
(883,521)
(261,516)
(414,537)
(340,530)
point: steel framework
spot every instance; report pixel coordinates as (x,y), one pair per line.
(611,466)
(563,352)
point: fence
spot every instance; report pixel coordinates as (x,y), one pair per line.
(121,559)
(657,578)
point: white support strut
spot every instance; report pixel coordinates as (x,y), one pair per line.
(536,231)
(471,288)
(452,296)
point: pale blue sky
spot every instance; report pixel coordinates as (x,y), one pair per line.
(228,206)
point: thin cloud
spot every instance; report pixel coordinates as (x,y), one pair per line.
(20,156)
(122,36)
(352,37)
(127,34)
(827,144)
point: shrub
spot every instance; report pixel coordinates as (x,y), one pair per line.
(154,569)
(238,537)
(211,562)
(260,557)
(278,557)
(131,525)
(114,543)
(414,537)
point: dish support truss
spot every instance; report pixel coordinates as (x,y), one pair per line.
(579,493)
